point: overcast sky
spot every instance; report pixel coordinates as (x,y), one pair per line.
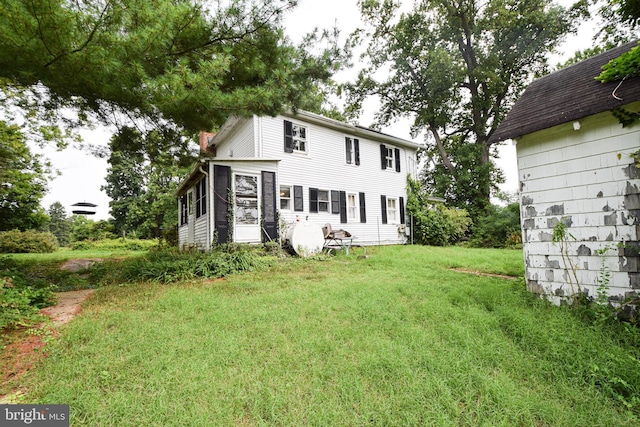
(83,175)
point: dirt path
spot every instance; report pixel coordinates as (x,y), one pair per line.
(22,354)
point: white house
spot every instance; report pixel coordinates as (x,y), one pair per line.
(575,167)
(266,173)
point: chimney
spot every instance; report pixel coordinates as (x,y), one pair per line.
(205,138)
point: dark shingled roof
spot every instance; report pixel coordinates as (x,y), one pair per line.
(567,95)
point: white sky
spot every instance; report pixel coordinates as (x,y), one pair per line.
(83,175)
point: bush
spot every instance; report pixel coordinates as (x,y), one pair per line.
(499,228)
(20,242)
(433,223)
(21,296)
(440,226)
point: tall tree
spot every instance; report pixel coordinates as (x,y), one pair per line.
(191,63)
(143,174)
(59,223)
(23,182)
(455,67)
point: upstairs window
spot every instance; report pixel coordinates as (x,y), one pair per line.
(352,151)
(390,158)
(295,138)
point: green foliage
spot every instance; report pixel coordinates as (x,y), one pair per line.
(142,178)
(625,66)
(178,62)
(499,228)
(21,296)
(83,228)
(59,224)
(455,68)
(23,182)
(20,242)
(433,223)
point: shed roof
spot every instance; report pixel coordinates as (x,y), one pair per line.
(567,95)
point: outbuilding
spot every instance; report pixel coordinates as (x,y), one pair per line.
(576,168)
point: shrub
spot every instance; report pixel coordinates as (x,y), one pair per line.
(499,228)
(16,242)
(21,296)
(440,226)
(433,223)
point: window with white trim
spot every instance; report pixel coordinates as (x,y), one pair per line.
(352,151)
(352,207)
(323,201)
(285,198)
(392,210)
(295,138)
(390,159)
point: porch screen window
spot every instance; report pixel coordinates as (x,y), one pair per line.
(295,137)
(201,198)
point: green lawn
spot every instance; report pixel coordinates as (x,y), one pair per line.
(395,339)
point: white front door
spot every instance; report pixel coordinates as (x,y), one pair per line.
(246,208)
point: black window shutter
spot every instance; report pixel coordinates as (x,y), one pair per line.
(363,210)
(401,201)
(221,188)
(269,220)
(356,151)
(343,207)
(298,203)
(347,148)
(313,200)
(335,202)
(288,137)
(397,156)
(383,203)
(383,156)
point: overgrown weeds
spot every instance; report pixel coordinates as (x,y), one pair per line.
(172,265)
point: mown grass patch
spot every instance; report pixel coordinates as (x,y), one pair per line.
(395,339)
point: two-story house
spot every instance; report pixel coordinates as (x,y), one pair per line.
(266,173)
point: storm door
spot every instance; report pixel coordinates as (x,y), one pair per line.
(246,209)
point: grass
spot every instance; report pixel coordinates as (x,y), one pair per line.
(395,339)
